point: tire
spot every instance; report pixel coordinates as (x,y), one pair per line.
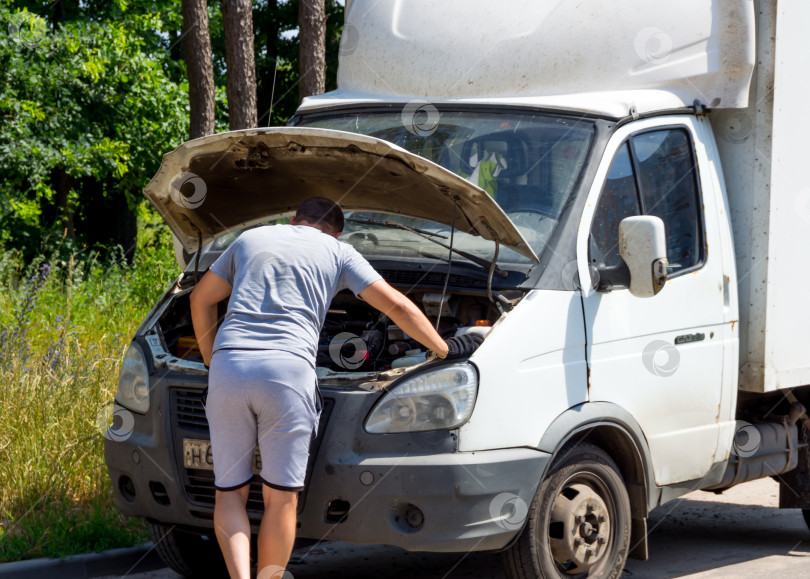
(581,505)
(190,554)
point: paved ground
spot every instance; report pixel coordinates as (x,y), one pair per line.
(739,534)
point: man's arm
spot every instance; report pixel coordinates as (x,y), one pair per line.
(210,290)
(405,314)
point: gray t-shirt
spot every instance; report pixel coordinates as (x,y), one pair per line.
(283,279)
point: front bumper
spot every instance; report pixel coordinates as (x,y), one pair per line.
(443,502)
(412,491)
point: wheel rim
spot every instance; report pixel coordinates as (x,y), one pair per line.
(580,524)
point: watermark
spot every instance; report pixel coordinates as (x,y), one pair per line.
(274,572)
(653,45)
(188,190)
(265,262)
(348,350)
(570,276)
(661,358)
(508,511)
(747,440)
(115,422)
(27,29)
(420,118)
(349,39)
(735,127)
(803,205)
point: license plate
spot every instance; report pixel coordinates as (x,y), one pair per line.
(197,454)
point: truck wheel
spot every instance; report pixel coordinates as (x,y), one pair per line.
(579,521)
(187,553)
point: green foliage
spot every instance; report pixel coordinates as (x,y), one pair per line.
(65,325)
(92,94)
(86,102)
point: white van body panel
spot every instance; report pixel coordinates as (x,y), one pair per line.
(465,49)
(613,103)
(532,368)
(674,391)
(769,200)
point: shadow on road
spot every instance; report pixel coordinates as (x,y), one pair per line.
(694,536)
(687,537)
(702,537)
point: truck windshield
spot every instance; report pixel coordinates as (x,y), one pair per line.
(528,162)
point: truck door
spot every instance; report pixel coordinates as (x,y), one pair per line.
(660,358)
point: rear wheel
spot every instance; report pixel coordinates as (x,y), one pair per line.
(579,521)
(189,554)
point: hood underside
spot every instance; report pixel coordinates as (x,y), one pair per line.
(220,183)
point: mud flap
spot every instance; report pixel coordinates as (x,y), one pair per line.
(638,540)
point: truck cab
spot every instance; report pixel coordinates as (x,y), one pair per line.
(603,207)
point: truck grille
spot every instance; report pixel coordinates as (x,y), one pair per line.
(188,421)
(200,490)
(189,410)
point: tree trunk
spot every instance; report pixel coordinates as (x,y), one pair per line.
(271,41)
(199,67)
(237,18)
(64,184)
(311,47)
(58,14)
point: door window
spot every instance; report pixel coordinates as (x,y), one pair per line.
(653,173)
(668,181)
(619,199)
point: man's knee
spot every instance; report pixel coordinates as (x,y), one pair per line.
(239,495)
(278,499)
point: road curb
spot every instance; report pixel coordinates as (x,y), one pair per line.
(113,562)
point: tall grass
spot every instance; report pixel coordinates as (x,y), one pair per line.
(64,326)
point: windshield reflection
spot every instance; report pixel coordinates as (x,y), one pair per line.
(529,163)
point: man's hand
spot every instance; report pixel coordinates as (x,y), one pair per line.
(210,290)
(463,346)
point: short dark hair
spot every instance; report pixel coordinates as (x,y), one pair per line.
(321,211)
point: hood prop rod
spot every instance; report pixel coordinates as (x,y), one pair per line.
(450,264)
(503,304)
(491,271)
(197,257)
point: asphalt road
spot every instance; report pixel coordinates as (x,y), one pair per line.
(739,534)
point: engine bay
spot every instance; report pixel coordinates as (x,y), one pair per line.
(355,336)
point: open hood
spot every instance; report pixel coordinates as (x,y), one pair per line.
(216,184)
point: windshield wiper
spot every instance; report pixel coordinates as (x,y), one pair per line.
(393,224)
(485,263)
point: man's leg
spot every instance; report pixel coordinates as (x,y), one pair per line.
(277,531)
(233,530)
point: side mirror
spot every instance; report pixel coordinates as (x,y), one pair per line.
(643,247)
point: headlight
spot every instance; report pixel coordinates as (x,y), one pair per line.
(438,400)
(133,381)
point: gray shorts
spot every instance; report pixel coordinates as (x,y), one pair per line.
(269,396)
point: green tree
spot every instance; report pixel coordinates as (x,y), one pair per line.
(86,111)
(92,94)
(277,44)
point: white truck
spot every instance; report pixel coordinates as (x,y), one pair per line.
(613,193)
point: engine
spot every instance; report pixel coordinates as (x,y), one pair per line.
(355,337)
